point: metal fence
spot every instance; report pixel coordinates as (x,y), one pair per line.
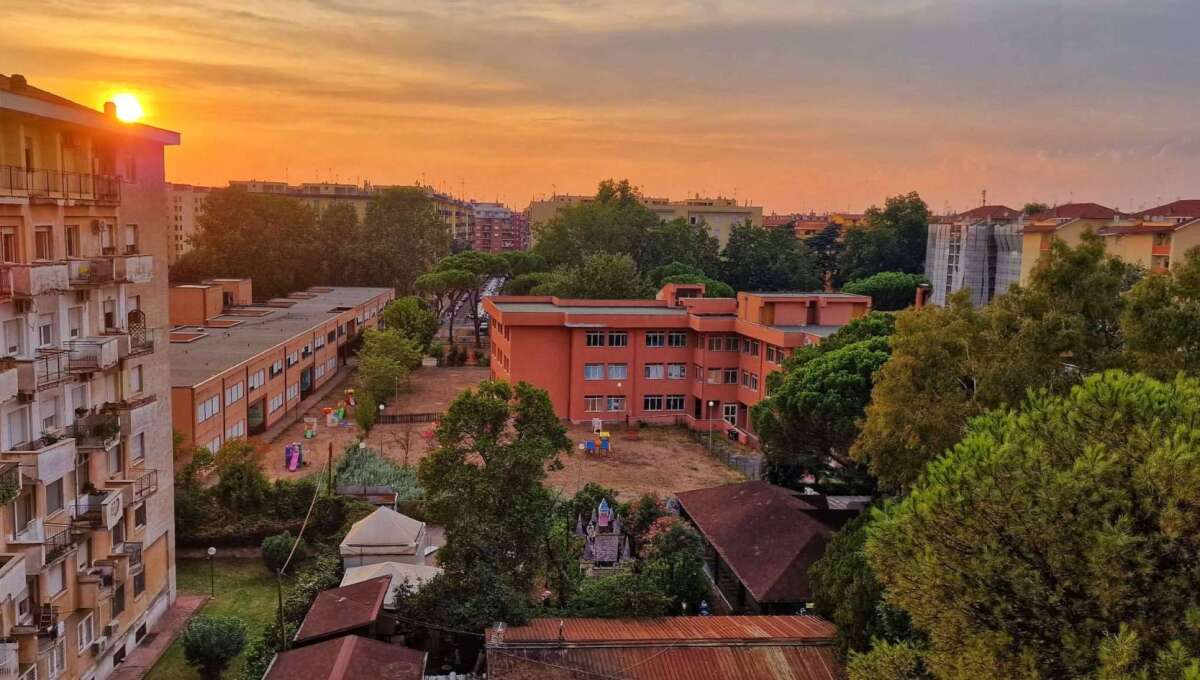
(405,418)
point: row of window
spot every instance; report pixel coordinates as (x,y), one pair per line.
(621,339)
(234,393)
(43,241)
(208,408)
(650,402)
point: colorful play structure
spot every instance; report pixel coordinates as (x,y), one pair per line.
(599,442)
(293,456)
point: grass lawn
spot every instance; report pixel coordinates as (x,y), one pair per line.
(245,589)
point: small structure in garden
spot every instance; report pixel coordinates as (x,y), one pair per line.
(606,546)
(386,536)
(411,575)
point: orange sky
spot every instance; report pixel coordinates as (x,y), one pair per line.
(795,105)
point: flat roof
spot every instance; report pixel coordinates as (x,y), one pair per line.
(819,331)
(585,309)
(220,349)
(803,293)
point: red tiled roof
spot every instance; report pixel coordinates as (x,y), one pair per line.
(777,220)
(764,533)
(675,648)
(991,212)
(339,610)
(1087,211)
(1182,208)
(350,657)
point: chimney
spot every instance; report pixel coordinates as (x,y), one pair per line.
(17,82)
(110,109)
(923,292)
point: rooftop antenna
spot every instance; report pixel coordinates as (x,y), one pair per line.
(983,198)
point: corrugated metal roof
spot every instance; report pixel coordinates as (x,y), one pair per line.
(674,628)
(343,609)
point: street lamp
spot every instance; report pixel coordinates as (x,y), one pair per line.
(381,432)
(711,405)
(212,582)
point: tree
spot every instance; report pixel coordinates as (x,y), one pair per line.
(446,288)
(662,271)
(679,241)
(380,377)
(1034,207)
(615,223)
(889,291)
(601,277)
(483,268)
(1161,320)
(523,284)
(1047,530)
(673,554)
(712,287)
(277,548)
(413,318)
(403,221)
(241,487)
(392,345)
(893,239)
(827,247)
(484,484)
(339,236)
(758,258)
(211,642)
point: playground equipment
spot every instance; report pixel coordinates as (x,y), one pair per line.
(293,456)
(601,442)
(310,427)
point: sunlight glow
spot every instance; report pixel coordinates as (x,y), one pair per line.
(129,109)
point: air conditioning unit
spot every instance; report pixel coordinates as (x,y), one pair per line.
(100,644)
(110,629)
(23,306)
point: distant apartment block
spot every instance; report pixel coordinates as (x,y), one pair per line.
(495,229)
(185,202)
(720,214)
(240,366)
(681,358)
(979,250)
(86,500)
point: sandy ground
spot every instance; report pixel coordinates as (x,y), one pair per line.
(662,460)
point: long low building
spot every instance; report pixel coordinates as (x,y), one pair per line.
(680,358)
(238,366)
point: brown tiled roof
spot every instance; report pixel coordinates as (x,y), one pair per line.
(350,657)
(1188,207)
(674,648)
(339,610)
(764,533)
(1087,211)
(992,212)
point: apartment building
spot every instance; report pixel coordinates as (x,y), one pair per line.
(495,229)
(185,202)
(679,358)
(86,501)
(720,214)
(979,250)
(240,366)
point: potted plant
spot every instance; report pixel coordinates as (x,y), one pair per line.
(9,490)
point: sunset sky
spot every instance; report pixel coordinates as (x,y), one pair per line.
(792,104)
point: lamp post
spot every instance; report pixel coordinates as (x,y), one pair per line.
(381,432)
(711,405)
(212,581)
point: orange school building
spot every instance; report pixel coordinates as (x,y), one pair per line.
(681,358)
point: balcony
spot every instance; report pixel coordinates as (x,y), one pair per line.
(97,584)
(133,268)
(8,384)
(10,483)
(59,541)
(12,574)
(88,355)
(45,622)
(132,550)
(97,431)
(96,271)
(45,459)
(10,665)
(45,370)
(136,414)
(40,183)
(27,279)
(98,510)
(140,484)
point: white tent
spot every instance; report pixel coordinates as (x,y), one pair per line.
(414,574)
(385,536)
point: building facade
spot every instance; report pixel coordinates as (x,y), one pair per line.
(979,250)
(86,500)
(720,214)
(239,367)
(185,202)
(681,358)
(495,229)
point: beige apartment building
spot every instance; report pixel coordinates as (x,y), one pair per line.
(86,501)
(720,214)
(185,202)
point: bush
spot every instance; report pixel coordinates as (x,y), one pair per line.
(437,350)
(211,642)
(889,291)
(363,467)
(275,550)
(365,411)
(482,358)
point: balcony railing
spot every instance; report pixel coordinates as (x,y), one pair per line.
(58,541)
(133,550)
(40,183)
(86,355)
(97,431)
(27,279)
(141,484)
(48,367)
(93,271)
(133,268)
(10,481)
(46,458)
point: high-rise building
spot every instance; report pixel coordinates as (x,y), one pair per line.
(719,214)
(979,249)
(185,202)
(86,500)
(496,229)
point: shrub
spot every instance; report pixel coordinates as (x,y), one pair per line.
(481,358)
(275,550)
(211,642)
(365,411)
(437,350)
(363,467)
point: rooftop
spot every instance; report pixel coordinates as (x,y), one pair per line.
(343,609)
(350,657)
(261,328)
(16,93)
(656,309)
(1089,211)
(1188,207)
(991,212)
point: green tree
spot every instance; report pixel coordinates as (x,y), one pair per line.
(241,487)
(1161,320)
(893,239)
(483,268)
(445,289)
(889,291)
(758,258)
(275,550)
(380,376)
(615,223)
(211,642)
(1034,207)
(679,241)
(393,345)
(673,554)
(1027,546)
(401,221)
(827,247)
(712,287)
(520,262)
(413,318)
(662,271)
(524,284)
(484,484)
(601,277)
(338,236)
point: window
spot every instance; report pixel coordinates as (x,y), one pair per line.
(23,512)
(293,358)
(13,336)
(113,462)
(49,409)
(675,402)
(319,341)
(54,496)
(135,379)
(731,343)
(593,404)
(43,244)
(234,393)
(677,371)
(656,339)
(276,368)
(714,376)
(238,429)
(677,339)
(750,347)
(750,380)
(618,371)
(698,372)
(256,379)
(45,330)
(771,354)
(139,516)
(293,391)
(208,408)
(137,447)
(139,583)
(652,402)
(118,601)
(745,378)
(214,445)
(56,663)
(616,403)
(594,339)
(714,344)
(56,579)
(729,413)
(331,336)
(8,244)
(79,396)
(653,371)
(18,427)
(276,403)
(593,371)
(85,632)
(731,376)
(131,238)
(618,339)
(73,240)
(75,322)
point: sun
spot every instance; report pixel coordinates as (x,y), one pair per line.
(129,109)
